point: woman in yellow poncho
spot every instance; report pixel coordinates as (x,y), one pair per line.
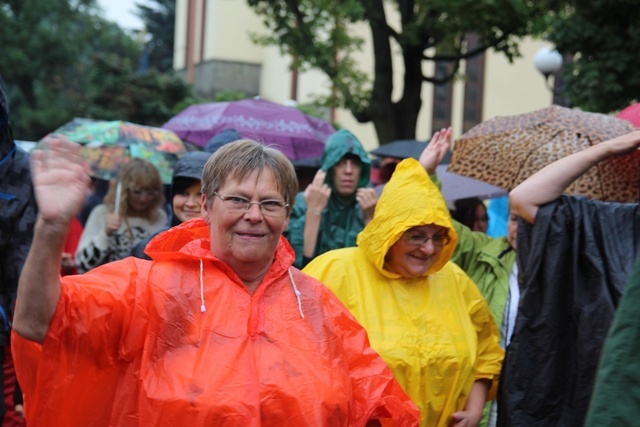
(423,314)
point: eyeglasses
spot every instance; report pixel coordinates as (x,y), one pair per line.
(437,240)
(269,207)
(137,192)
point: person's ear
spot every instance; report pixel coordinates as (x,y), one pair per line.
(204,211)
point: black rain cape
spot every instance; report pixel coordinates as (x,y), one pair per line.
(575,261)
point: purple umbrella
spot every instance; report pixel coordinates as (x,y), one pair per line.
(288,129)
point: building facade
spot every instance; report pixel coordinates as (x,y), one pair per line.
(214,50)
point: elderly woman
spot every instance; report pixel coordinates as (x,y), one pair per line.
(217,329)
(423,314)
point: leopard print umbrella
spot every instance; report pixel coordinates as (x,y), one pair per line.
(504,151)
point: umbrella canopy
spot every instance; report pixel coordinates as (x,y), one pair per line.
(504,151)
(454,186)
(108,145)
(288,129)
(631,114)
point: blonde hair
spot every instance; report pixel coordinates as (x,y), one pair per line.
(239,159)
(137,174)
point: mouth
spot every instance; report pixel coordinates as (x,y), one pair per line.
(250,235)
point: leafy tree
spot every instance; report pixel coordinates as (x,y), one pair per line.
(119,93)
(159,20)
(317,34)
(61,60)
(603,39)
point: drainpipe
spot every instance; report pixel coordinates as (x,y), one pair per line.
(191,17)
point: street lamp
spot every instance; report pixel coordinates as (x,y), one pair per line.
(548,61)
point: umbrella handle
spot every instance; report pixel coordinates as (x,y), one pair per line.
(118,191)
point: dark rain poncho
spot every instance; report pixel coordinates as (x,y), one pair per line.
(616,395)
(575,261)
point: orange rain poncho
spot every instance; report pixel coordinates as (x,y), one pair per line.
(129,345)
(435,331)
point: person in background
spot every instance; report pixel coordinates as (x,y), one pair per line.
(337,204)
(111,231)
(575,257)
(185,195)
(423,314)
(218,329)
(472,213)
(18,211)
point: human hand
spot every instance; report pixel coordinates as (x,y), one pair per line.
(60,180)
(113,223)
(435,151)
(624,144)
(367,199)
(465,419)
(317,193)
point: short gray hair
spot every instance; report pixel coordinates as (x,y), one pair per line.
(239,159)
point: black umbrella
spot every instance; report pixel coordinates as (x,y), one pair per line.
(404,148)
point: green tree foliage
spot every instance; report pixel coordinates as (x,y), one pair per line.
(159,21)
(603,39)
(61,60)
(318,34)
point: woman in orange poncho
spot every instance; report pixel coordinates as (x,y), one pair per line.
(218,329)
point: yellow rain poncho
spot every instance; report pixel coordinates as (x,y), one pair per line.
(435,332)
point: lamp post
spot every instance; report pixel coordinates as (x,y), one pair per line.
(548,61)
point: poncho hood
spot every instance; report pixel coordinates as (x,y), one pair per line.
(341,143)
(409,199)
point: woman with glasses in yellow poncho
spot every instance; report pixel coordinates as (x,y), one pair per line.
(423,314)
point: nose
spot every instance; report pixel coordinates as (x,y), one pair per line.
(348,167)
(193,200)
(428,247)
(254,212)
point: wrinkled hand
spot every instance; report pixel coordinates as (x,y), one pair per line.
(317,193)
(624,144)
(435,151)
(113,223)
(464,419)
(60,180)
(367,199)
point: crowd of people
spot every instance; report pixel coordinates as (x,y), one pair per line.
(256,303)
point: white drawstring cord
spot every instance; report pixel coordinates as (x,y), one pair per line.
(202,307)
(297,293)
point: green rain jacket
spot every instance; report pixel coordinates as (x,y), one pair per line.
(435,331)
(342,219)
(488,262)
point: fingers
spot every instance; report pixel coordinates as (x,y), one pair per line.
(319,178)
(366,197)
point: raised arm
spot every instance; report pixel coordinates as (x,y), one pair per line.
(435,151)
(550,182)
(60,183)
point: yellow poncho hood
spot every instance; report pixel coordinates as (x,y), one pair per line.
(409,199)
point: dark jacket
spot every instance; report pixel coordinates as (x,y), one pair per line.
(188,167)
(574,264)
(18,212)
(342,219)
